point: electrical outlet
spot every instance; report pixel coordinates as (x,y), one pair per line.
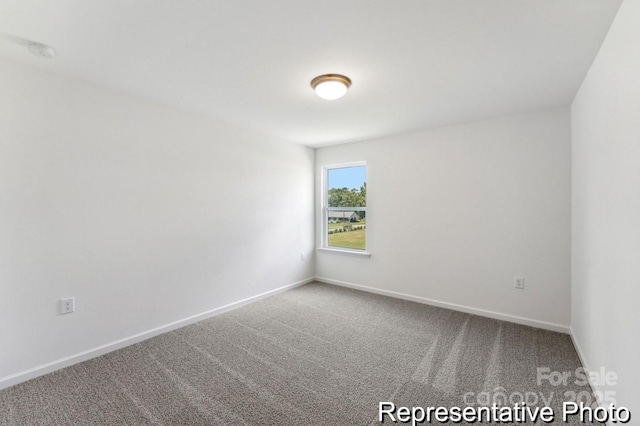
(67,305)
(302,257)
(518,282)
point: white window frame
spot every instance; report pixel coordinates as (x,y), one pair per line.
(324,223)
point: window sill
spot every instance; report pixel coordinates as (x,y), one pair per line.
(344,252)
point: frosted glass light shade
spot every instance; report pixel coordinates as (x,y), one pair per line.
(331,86)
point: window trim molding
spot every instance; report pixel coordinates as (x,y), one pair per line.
(324,241)
(344,252)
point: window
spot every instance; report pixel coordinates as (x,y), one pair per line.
(345,207)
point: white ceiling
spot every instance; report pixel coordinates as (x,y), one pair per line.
(414,63)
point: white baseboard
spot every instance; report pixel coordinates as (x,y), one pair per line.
(583,360)
(40,370)
(49,367)
(576,345)
(461,308)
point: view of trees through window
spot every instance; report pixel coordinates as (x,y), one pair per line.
(346,207)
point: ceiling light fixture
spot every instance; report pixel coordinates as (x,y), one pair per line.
(331,86)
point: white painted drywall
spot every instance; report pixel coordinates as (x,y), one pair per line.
(145,214)
(487,200)
(605,118)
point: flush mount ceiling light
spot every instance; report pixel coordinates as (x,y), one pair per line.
(331,86)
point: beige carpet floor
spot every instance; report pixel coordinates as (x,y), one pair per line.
(315,355)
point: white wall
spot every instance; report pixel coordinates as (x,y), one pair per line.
(490,200)
(145,214)
(605,117)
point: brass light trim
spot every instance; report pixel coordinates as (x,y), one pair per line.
(331,77)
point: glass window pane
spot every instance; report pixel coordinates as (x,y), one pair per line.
(347,187)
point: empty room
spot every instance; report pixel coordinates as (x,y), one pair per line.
(301,212)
